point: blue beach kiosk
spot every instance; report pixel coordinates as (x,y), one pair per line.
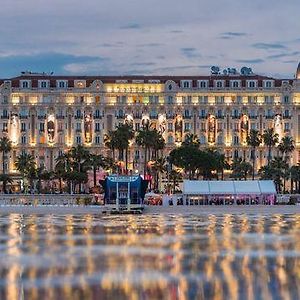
(124,193)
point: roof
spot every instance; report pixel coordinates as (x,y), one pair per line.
(144,79)
(206,187)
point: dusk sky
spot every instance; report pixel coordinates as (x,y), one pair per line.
(165,37)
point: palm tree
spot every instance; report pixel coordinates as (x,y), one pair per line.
(191,139)
(286,146)
(26,165)
(62,169)
(222,164)
(5,147)
(253,140)
(96,161)
(159,167)
(80,164)
(110,142)
(270,139)
(240,169)
(145,139)
(295,178)
(174,176)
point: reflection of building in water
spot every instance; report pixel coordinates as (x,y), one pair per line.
(150,257)
(46,115)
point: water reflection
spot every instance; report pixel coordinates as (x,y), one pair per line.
(150,257)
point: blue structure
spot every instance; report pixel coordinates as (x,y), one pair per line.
(124,192)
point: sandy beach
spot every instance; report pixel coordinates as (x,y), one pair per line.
(182,210)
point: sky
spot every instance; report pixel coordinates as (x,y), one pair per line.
(149,37)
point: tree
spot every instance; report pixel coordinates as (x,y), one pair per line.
(145,139)
(240,169)
(276,171)
(26,165)
(110,142)
(253,140)
(191,139)
(175,177)
(158,167)
(295,178)
(97,161)
(5,179)
(270,139)
(286,146)
(221,164)
(5,147)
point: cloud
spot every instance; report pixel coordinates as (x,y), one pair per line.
(280,55)
(142,64)
(45,62)
(230,35)
(176,31)
(131,26)
(268,46)
(190,52)
(250,61)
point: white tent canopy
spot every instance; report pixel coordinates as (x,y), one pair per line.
(206,187)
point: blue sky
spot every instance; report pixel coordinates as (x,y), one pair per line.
(166,37)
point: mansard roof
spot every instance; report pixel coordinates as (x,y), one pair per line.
(143,79)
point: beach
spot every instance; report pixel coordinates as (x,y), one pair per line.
(182,210)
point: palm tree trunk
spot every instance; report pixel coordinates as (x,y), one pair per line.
(95,175)
(60,185)
(126,160)
(253,163)
(269,155)
(3,161)
(145,161)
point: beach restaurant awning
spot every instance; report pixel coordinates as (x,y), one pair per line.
(211,187)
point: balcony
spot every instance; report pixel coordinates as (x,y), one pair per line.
(41,117)
(5,117)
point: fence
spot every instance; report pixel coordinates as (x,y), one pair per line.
(48,199)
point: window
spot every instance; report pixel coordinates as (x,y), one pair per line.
(137,126)
(187,126)
(121,99)
(5,99)
(235,84)
(78,139)
(97,140)
(78,113)
(286,113)
(202,139)
(62,84)
(170,100)
(170,139)
(25,84)
(43,84)
(251,84)
(236,153)
(187,99)
(137,154)
(23,139)
(97,99)
(97,113)
(286,126)
(235,113)
(203,99)
(220,139)
(219,113)
(220,99)
(202,84)
(78,126)
(97,127)
(203,113)
(268,84)
(187,113)
(253,126)
(42,127)
(239,99)
(23,126)
(170,126)
(219,84)
(235,140)
(186,84)
(153,99)
(4,113)
(286,99)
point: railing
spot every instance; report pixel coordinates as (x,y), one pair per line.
(47,199)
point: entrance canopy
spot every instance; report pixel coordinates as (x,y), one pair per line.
(210,187)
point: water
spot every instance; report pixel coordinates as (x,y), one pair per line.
(150,257)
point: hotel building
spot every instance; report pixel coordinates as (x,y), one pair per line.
(45,115)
